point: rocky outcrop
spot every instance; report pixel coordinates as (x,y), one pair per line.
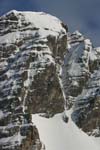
(81,81)
(31,53)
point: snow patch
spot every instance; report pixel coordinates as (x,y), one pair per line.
(58,135)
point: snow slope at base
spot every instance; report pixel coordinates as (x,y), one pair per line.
(58,135)
(97,140)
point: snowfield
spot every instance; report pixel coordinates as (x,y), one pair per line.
(58,135)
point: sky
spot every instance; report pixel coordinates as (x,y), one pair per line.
(82,15)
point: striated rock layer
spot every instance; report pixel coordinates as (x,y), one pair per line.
(31,53)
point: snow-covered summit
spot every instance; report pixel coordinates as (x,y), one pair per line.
(38,19)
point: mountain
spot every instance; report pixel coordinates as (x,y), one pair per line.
(49,85)
(81,80)
(31,51)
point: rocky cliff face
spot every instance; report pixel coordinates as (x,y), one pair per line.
(31,53)
(81,80)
